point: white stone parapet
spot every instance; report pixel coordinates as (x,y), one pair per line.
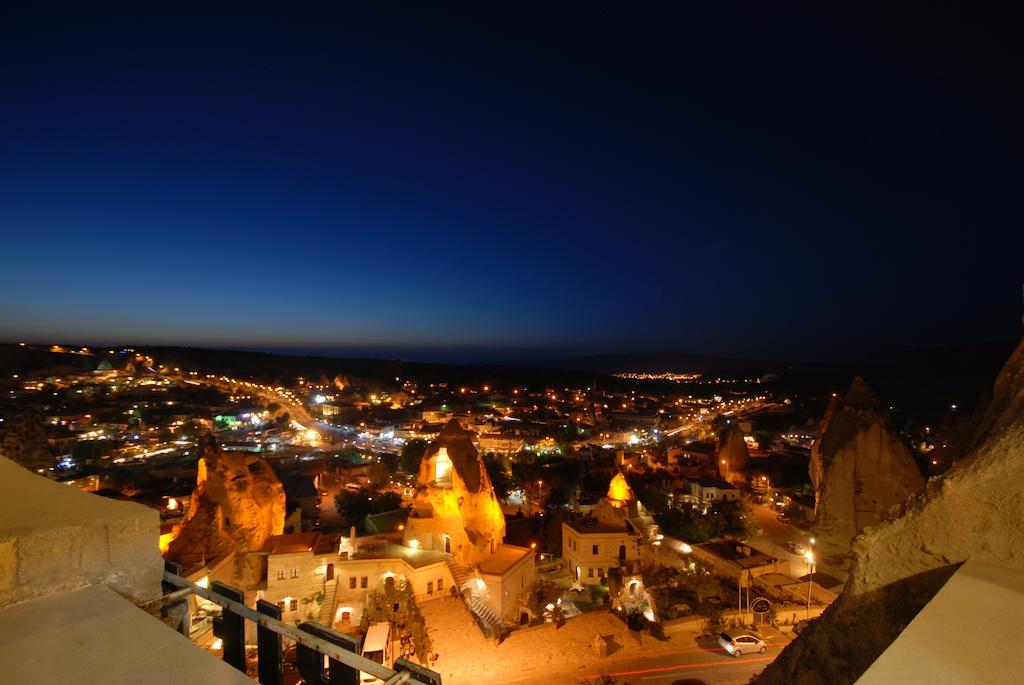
(55,538)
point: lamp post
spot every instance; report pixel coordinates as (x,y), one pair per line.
(809,555)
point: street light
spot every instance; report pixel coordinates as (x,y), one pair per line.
(809,556)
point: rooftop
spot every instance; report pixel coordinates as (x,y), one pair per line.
(737,552)
(963,635)
(504,558)
(712,482)
(94,635)
(317,543)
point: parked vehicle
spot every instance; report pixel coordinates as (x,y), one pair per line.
(742,643)
(377,646)
(797,548)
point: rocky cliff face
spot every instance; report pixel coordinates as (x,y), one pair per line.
(860,469)
(972,512)
(238,503)
(455,509)
(733,455)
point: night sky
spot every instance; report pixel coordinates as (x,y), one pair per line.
(487,183)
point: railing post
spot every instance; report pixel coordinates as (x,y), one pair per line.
(311,662)
(268,644)
(178,614)
(230,627)
(422,674)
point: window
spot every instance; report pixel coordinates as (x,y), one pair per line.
(280,605)
(362,582)
(293,605)
(590,573)
(594,548)
(280,574)
(430,587)
(440,584)
(600,573)
(295,573)
(351,582)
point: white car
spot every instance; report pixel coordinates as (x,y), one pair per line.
(742,643)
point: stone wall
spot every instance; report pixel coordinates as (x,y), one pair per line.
(55,538)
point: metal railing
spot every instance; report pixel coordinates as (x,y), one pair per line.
(313,641)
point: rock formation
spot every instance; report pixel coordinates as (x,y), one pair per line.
(733,456)
(973,512)
(860,469)
(619,492)
(455,509)
(238,503)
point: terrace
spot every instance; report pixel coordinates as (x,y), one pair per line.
(84,597)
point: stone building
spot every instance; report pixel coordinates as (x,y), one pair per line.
(607,538)
(455,512)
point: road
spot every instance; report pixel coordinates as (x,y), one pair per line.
(775,536)
(702,663)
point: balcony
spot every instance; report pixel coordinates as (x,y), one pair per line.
(84,598)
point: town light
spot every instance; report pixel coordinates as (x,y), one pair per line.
(414,543)
(480,584)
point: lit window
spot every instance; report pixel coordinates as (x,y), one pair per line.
(443,467)
(295,573)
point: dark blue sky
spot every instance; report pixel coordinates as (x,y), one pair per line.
(416,181)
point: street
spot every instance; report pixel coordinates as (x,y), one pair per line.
(702,663)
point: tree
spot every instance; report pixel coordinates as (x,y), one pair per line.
(385,501)
(714,621)
(500,478)
(412,454)
(377,474)
(356,506)
(353,506)
(544,592)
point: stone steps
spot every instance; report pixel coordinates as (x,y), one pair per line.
(490,622)
(327,609)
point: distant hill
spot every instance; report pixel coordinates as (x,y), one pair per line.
(652,362)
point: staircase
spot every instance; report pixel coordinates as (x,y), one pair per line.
(462,576)
(327,608)
(490,623)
